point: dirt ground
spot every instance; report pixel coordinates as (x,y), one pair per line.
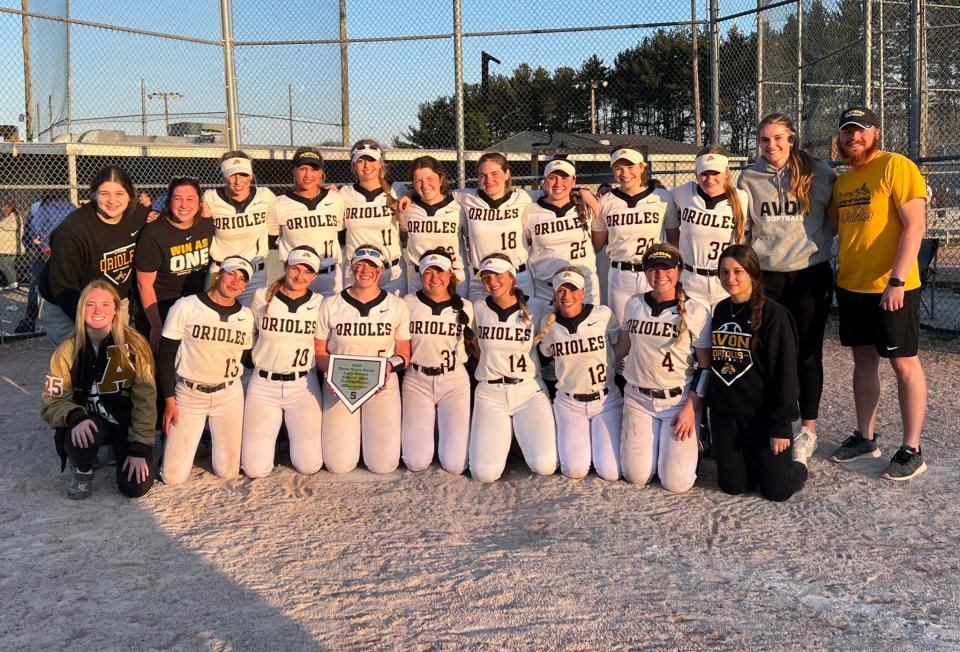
(433,561)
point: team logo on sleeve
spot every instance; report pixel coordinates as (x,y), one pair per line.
(731,352)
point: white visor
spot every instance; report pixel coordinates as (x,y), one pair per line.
(370,255)
(712,163)
(233,263)
(305,257)
(236,165)
(627,154)
(569,277)
(497,266)
(366,150)
(439,261)
(560,165)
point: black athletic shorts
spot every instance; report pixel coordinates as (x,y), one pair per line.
(895,334)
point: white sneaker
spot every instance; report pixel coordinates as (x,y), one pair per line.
(804,445)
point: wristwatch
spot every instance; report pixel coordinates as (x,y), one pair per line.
(895,282)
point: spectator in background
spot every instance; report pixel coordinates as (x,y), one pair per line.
(10,236)
(45,215)
(145,199)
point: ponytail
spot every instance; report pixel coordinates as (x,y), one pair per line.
(462,317)
(547,323)
(801,177)
(736,206)
(756,309)
(524,313)
(682,311)
(274,288)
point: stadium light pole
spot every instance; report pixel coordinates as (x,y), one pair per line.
(344,79)
(166,97)
(229,76)
(593,85)
(458,80)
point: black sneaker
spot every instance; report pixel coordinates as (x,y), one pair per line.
(856,446)
(906,464)
(81,484)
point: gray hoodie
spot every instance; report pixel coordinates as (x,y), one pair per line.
(784,240)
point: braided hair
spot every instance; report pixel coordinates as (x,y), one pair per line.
(682,297)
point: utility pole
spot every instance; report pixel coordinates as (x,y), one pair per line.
(27,80)
(344,79)
(593,85)
(290,110)
(166,97)
(695,56)
(143,108)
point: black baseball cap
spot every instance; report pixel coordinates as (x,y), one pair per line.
(308,156)
(660,258)
(860,116)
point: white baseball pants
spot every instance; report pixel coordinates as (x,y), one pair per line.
(328,284)
(442,400)
(224,408)
(647,445)
(621,285)
(270,402)
(375,428)
(589,430)
(705,289)
(501,411)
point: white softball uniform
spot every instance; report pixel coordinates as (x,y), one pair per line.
(369,220)
(588,406)
(241,230)
(706,229)
(212,340)
(429,227)
(316,222)
(658,371)
(283,386)
(351,327)
(510,397)
(558,238)
(494,225)
(436,390)
(632,223)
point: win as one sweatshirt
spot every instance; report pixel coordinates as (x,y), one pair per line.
(755,375)
(784,238)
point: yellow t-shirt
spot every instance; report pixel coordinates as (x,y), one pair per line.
(866,200)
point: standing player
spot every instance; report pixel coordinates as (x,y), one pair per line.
(705,217)
(510,397)
(792,236)
(239,212)
(668,340)
(557,230)
(629,222)
(173,254)
(204,339)
(366,320)
(436,391)
(283,387)
(313,216)
(431,220)
(369,214)
(588,407)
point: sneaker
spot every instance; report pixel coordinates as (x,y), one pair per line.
(81,484)
(907,463)
(856,446)
(804,445)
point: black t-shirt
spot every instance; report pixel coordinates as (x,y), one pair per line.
(180,257)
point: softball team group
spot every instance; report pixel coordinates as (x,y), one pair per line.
(485,303)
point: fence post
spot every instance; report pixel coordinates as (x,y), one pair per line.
(69,62)
(458,80)
(72,175)
(715,71)
(344,79)
(868,53)
(695,55)
(759,61)
(229,75)
(800,69)
(916,70)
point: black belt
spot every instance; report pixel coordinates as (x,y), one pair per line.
(660,393)
(326,270)
(206,389)
(431,371)
(506,380)
(702,271)
(394,262)
(586,398)
(629,267)
(293,375)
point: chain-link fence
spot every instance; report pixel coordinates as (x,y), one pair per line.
(165,89)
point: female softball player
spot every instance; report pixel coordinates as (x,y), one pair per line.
(173,254)
(283,387)
(431,220)
(588,407)
(790,232)
(436,391)
(704,218)
(364,319)
(629,222)
(204,339)
(369,214)
(313,216)
(239,213)
(666,343)
(557,230)
(753,394)
(510,397)
(100,390)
